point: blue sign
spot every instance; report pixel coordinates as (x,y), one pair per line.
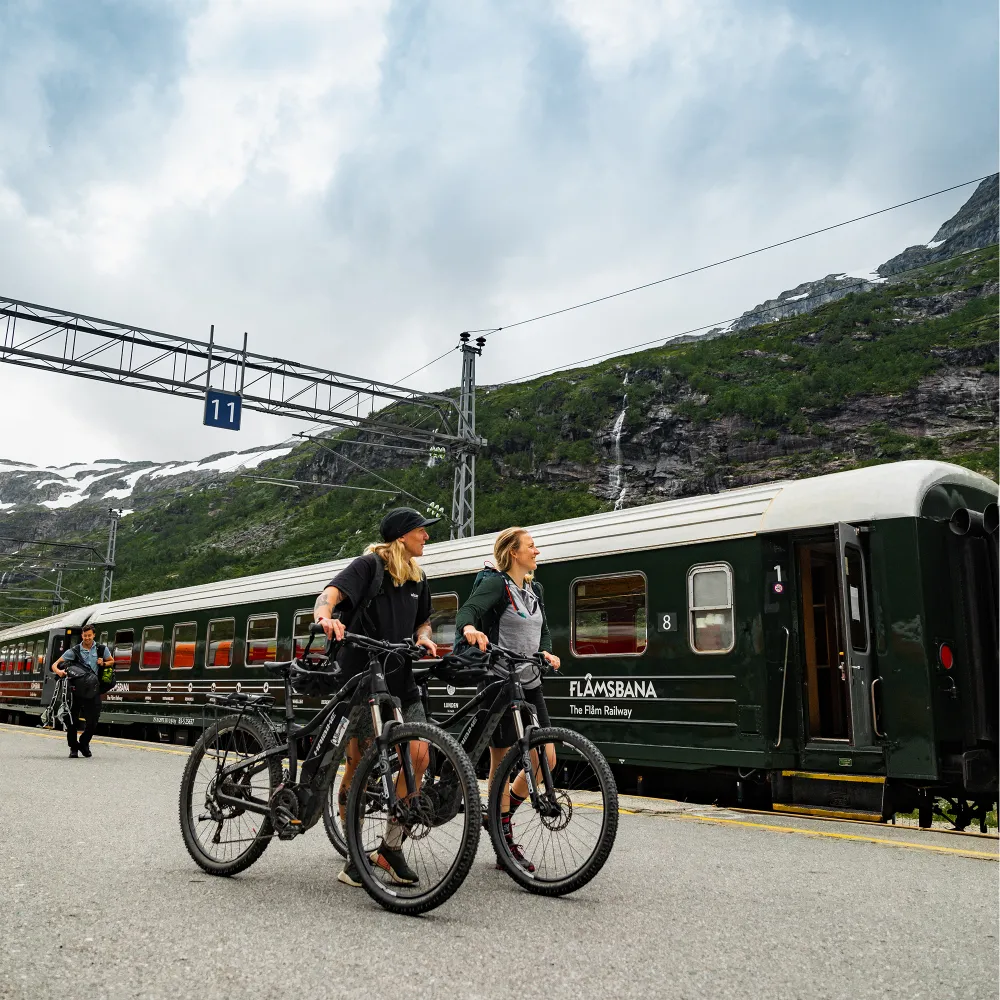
(222,409)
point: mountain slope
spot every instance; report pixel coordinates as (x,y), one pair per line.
(907,368)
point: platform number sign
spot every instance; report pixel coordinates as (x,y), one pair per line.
(223,409)
(666,621)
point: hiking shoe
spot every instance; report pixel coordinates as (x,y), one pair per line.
(518,855)
(349,875)
(73,754)
(86,751)
(395,864)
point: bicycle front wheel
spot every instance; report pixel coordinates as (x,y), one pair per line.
(560,844)
(414,856)
(331,811)
(223,838)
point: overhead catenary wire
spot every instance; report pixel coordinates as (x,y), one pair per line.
(297,483)
(489,331)
(667,340)
(365,469)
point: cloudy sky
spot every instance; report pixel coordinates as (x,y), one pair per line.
(353,183)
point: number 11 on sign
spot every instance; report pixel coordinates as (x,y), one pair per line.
(223,409)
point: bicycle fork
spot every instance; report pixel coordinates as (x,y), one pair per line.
(544,799)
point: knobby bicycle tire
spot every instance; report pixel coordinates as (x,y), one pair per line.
(331,812)
(244,735)
(538,881)
(453,756)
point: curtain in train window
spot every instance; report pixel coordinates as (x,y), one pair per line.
(300,633)
(124,640)
(444,611)
(609,615)
(182,646)
(262,639)
(219,647)
(152,647)
(710,608)
(39,656)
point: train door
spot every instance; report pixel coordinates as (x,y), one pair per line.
(856,652)
(835,633)
(59,642)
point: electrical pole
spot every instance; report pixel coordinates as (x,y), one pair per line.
(463,497)
(57,601)
(109,559)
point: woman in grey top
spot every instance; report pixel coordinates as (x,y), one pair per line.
(507,606)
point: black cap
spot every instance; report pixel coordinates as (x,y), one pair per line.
(400,520)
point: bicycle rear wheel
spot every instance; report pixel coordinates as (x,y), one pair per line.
(331,811)
(561,845)
(225,839)
(435,833)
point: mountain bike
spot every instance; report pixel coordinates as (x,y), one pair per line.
(244,784)
(568,823)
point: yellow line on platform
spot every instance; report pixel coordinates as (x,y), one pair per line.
(131,745)
(987,855)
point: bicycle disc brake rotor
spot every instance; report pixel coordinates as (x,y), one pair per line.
(557,818)
(417,815)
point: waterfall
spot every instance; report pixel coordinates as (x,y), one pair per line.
(619,487)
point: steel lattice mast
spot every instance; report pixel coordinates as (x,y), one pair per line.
(463,497)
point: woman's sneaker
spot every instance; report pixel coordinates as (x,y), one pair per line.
(393,862)
(350,876)
(515,849)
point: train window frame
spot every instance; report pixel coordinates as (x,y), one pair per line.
(39,656)
(121,643)
(22,654)
(450,594)
(208,644)
(300,635)
(174,644)
(142,647)
(3,659)
(251,619)
(693,609)
(586,578)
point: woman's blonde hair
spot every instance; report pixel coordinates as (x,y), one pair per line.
(401,566)
(507,543)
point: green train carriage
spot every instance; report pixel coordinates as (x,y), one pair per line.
(826,645)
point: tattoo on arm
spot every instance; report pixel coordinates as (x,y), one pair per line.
(323,608)
(424,631)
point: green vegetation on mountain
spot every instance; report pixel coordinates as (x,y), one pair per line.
(906,370)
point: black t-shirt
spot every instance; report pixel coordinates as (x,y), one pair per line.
(393,615)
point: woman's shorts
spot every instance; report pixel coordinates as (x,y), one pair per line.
(413,711)
(505,735)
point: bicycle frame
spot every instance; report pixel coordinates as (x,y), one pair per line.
(334,723)
(475,738)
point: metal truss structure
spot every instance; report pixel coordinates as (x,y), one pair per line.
(463,496)
(54,340)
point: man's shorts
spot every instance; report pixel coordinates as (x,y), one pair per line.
(413,711)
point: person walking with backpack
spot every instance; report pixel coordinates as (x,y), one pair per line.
(383,595)
(507,607)
(85,664)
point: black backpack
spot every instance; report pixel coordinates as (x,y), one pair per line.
(86,684)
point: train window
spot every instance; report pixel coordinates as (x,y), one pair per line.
(39,656)
(182,646)
(710,608)
(104,639)
(124,640)
(609,615)
(444,611)
(3,659)
(300,630)
(219,647)
(262,639)
(22,656)
(854,569)
(152,648)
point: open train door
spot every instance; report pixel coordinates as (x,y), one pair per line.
(857,658)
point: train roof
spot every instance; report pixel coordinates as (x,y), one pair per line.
(859,495)
(65,619)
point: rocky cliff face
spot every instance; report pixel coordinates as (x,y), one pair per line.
(804,298)
(974,226)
